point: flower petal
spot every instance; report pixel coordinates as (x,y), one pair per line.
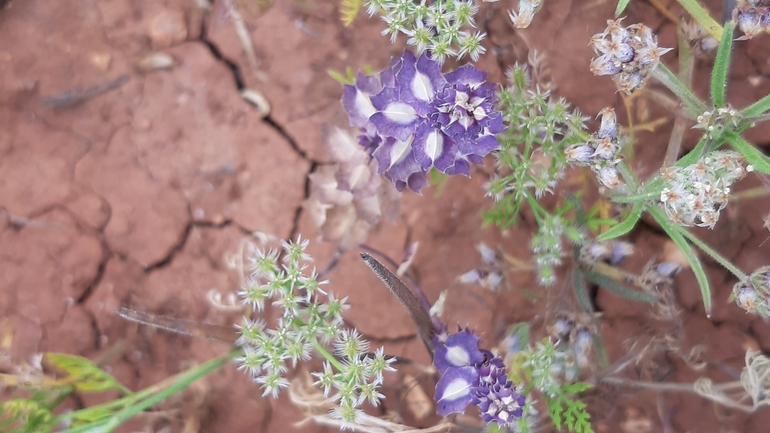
(466,74)
(460,350)
(453,390)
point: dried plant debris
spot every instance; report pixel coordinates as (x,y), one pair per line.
(348,197)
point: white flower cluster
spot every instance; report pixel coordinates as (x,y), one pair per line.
(311,318)
(440,27)
(600,153)
(694,195)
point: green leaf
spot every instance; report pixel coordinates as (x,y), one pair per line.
(580,213)
(621,7)
(349,10)
(25,416)
(581,291)
(349,79)
(613,286)
(625,226)
(575,416)
(753,156)
(721,64)
(700,275)
(117,412)
(757,108)
(85,375)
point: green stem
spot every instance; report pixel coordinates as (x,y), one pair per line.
(628,175)
(537,209)
(329,357)
(694,105)
(703,18)
(637,197)
(750,121)
(143,400)
(712,252)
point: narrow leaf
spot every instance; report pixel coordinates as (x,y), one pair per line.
(753,156)
(686,58)
(625,226)
(581,291)
(408,299)
(613,286)
(721,64)
(621,7)
(757,108)
(349,10)
(700,275)
(84,374)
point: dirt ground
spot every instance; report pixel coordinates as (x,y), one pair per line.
(133,197)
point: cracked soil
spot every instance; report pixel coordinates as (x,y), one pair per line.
(133,196)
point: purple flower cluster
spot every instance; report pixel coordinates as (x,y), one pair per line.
(414,118)
(473,376)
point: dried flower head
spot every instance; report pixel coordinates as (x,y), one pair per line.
(752,17)
(348,198)
(600,153)
(415,118)
(696,194)
(614,251)
(490,273)
(629,54)
(699,40)
(753,294)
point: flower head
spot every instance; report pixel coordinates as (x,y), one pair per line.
(415,118)
(601,151)
(348,198)
(696,194)
(629,54)
(473,376)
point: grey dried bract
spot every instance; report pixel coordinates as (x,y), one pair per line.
(628,54)
(752,17)
(348,197)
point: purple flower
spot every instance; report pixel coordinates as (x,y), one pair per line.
(473,376)
(414,118)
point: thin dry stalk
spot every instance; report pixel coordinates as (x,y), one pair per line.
(317,409)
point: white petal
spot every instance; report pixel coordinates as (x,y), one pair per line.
(458,388)
(434,145)
(458,356)
(364,104)
(400,112)
(399,151)
(422,87)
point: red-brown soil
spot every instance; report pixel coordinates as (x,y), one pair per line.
(133,197)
